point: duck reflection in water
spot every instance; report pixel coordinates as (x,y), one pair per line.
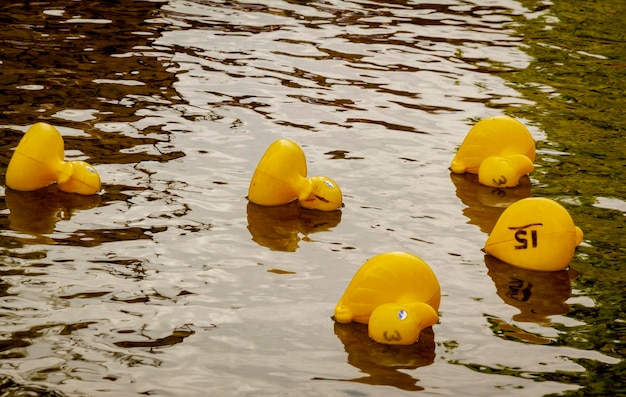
(280,228)
(381,362)
(485,204)
(37,212)
(537,295)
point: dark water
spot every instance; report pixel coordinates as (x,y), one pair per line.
(170,283)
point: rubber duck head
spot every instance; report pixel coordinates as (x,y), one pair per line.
(400,324)
(83,179)
(504,171)
(38,161)
(320,193)
(535,233)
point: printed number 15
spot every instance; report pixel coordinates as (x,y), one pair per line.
(522,237)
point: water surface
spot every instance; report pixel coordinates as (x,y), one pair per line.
(170,283)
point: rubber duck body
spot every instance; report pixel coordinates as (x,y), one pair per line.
(396,294)
(38,161)
(499,149)
(535,233)
(280,178)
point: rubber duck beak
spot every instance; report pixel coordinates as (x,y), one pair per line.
(396,324)
(320,193)
(504,171)
(83,179)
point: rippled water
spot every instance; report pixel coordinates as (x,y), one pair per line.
(170,283)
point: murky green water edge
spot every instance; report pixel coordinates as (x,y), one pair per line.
(576,81)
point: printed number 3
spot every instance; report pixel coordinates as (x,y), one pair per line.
(394,337)
(501,181)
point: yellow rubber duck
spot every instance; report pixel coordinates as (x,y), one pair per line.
(499,149)
(396,294)
(535,233)
(38,161)
(280,178)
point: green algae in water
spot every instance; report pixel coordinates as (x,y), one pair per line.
(576,81)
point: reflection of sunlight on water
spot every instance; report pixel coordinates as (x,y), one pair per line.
(76,114)
(611,203)
(365,72)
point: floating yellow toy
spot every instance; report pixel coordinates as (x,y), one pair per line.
(535,233)
(396,294)
(280,178)
(499,149)
(38,161)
